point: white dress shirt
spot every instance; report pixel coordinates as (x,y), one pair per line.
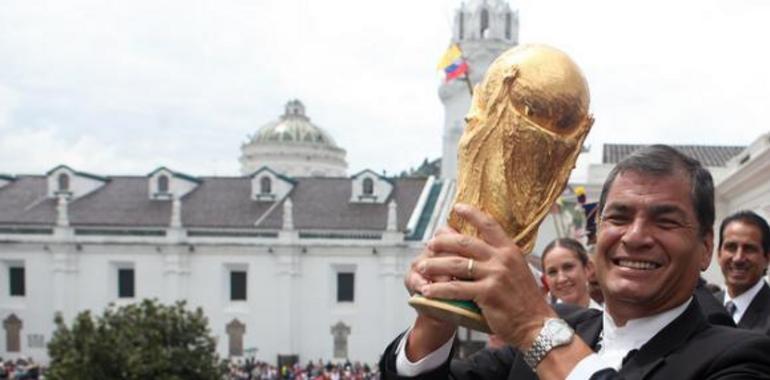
(432,361)
(743,300)
(616,343)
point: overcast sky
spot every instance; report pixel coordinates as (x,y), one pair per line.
(122,87)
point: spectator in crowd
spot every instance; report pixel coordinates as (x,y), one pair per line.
(251,369)
(566,270)
(744,249)
(20,369)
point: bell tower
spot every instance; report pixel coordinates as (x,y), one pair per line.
(483,29)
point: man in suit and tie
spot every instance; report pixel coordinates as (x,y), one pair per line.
(654,238)
(744,250)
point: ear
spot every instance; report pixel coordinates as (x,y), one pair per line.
(708,245)
(590,268)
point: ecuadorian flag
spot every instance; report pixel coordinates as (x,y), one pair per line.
(453,63)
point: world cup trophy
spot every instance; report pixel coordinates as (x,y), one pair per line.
(525,128)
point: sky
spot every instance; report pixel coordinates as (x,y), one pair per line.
(123,87)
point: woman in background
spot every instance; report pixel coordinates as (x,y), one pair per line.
(566,269)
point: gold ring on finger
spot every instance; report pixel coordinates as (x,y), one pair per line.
(471,263)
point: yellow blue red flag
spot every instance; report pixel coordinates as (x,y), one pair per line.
(453,63)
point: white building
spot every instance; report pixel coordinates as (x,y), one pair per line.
(310,266)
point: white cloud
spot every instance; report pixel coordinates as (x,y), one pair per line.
(33,151)
(181,83)
(9,100)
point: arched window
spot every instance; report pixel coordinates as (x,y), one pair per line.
(163,184)
(265,185)
(508,22)
(64,182)
(484,21)
(368,186)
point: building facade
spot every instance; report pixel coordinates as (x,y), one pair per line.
(303,267)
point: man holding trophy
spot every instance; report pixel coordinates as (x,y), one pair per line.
(525,128)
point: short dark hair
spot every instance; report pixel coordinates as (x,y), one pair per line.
(568,243)
(663,160)
(748,217)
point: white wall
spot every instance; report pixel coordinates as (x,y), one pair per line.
(291,296)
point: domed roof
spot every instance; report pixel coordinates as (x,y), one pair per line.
(293,127)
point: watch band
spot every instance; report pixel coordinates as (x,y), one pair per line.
(555,333)
(539,349)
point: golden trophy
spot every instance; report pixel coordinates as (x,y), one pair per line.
(524,131)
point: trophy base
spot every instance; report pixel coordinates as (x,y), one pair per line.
(462,313)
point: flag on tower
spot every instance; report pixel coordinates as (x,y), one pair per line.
(453,63)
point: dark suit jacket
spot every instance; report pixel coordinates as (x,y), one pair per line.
(757,315)
(712,306)
(687,348)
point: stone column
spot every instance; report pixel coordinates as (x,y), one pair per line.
(288,265)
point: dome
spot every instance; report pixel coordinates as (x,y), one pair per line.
(293,146)
(293,127)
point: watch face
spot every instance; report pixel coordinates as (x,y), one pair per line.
(560,331)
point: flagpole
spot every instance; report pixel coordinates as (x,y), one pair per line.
(468,82)
(467,71)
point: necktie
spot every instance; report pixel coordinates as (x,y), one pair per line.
(731,308)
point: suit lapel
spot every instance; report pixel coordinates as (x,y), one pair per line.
(590,330)
(674,335)
(755,313)
(720,296)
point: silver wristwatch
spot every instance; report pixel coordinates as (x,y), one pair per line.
(555,333)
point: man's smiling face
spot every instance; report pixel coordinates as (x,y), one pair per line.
(741,256)
(649,248)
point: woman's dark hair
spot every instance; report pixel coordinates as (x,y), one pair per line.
(568,243)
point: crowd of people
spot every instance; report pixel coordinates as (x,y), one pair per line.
(20,369)
(238,369)
(251,369)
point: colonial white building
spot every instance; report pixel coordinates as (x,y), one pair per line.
(282,264)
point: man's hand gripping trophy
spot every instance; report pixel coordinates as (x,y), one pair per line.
(525,129)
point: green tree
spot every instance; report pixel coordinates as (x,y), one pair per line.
(147,340)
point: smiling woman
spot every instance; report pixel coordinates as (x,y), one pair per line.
(566,271)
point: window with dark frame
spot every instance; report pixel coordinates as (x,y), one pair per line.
(265,185)
(64,182)
(368,186)
(345,286)
(163,184)
(508,24)
(461,26)
(126,283)
(16,275)
(484,22)
(237,285)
